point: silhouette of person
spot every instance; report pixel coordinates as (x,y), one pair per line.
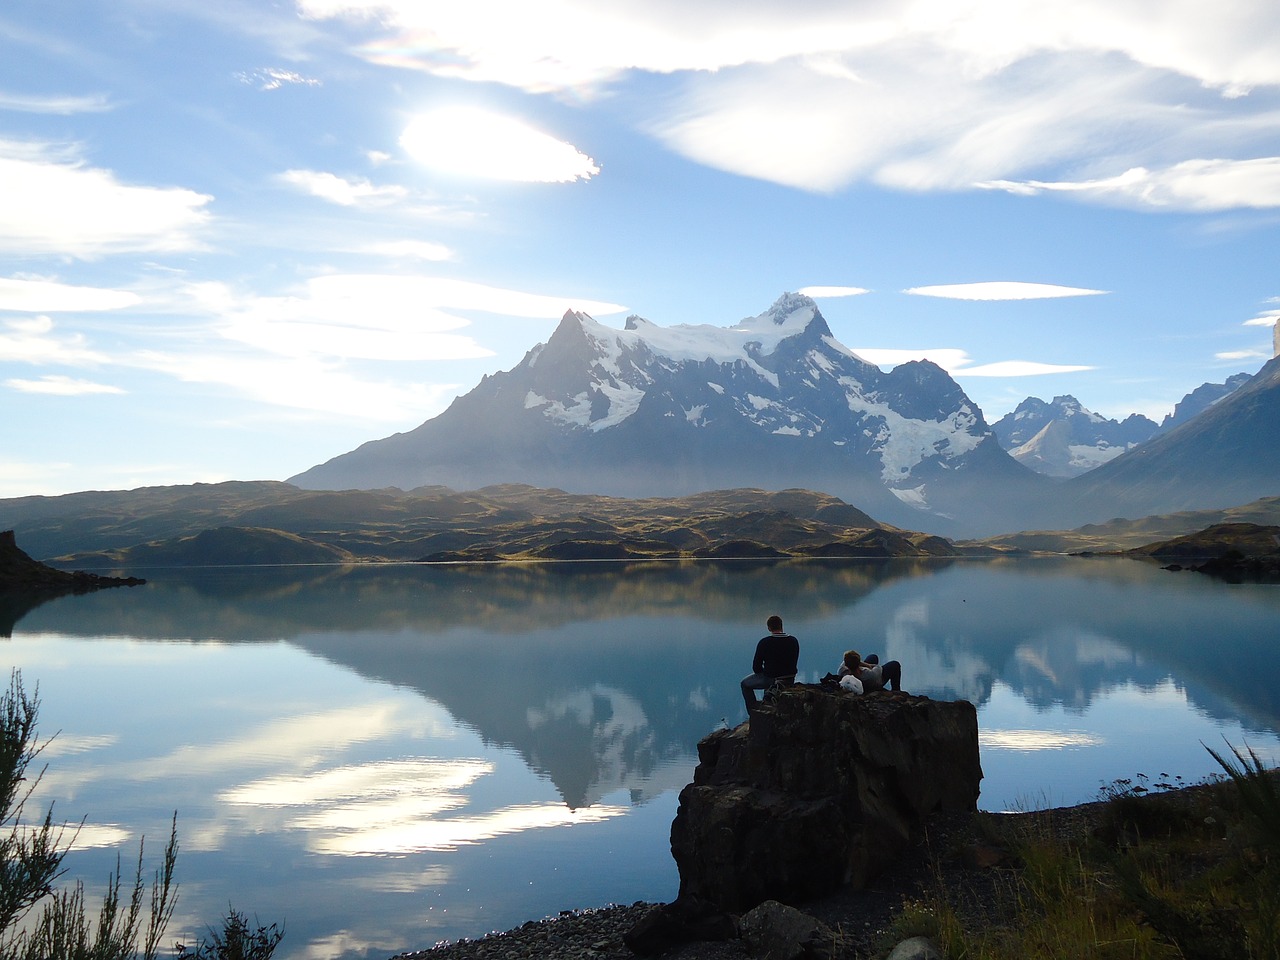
(775,662)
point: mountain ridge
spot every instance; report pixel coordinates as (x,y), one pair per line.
(774,401)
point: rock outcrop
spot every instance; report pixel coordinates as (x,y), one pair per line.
(819,790)
(26,583)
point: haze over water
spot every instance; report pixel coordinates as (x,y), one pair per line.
(382,757)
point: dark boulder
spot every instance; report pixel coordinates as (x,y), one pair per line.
(819,790)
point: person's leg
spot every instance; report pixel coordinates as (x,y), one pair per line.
(892,674)
(750,684)
(872,659)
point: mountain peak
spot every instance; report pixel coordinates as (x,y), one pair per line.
(787,304)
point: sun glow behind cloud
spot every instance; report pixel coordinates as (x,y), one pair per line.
(468,142)
(928,95)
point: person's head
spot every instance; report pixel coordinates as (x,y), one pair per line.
(852,659)
(774,624)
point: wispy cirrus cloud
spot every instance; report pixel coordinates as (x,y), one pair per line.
(958,363)
(1197,185)
(347,193)
(820,292)
(273,78)
(33,341)
(410,250)
(51,296)
(57,105)
(378,316)
(61,386)
(1001,290)
(56,203)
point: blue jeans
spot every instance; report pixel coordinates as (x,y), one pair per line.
(757,681)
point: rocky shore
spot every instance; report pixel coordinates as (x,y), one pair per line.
(803,832)
(953,853)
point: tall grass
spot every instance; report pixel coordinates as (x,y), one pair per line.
(1173,873)
(39,922)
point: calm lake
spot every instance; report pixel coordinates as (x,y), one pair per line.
(382,757)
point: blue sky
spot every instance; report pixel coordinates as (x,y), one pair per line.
(240,238)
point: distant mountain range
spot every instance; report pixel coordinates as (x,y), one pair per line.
(775,401)
(1227,454)
(1063,439)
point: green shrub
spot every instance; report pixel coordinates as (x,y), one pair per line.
(38,922)
(237,941)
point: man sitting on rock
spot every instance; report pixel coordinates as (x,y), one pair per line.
(775,663)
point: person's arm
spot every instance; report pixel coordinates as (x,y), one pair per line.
(757,663)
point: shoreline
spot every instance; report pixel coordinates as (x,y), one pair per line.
(862,918)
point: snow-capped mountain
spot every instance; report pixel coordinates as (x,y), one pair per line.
(1063,439)
(1225,455)
(774,401)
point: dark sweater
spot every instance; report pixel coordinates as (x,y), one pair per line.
(777,655)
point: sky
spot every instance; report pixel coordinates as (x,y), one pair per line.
(240,238)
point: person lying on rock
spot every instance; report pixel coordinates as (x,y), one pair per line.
(864,676)
(775,662)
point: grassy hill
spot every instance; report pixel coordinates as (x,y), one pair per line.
(269,522)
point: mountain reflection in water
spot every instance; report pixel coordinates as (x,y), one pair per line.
(597,673)
(387,755)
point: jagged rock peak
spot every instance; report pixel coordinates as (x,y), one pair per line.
(787,304)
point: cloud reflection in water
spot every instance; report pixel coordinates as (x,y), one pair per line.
(394,808)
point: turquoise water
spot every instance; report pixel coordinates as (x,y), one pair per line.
(383,757)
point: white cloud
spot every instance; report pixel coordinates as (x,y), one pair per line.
(39,296)
(1197,185)
(1243,355)
(379,316)
(1001,290)
(61,386)
(921,95)
(273,78)
(817,292)
(411,249)
(475,143)
(958,363)
(346,193)
(317,385)
(575,44)
(57,204)
(948,358)
(1018,368)
(32,341)
(62,106)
